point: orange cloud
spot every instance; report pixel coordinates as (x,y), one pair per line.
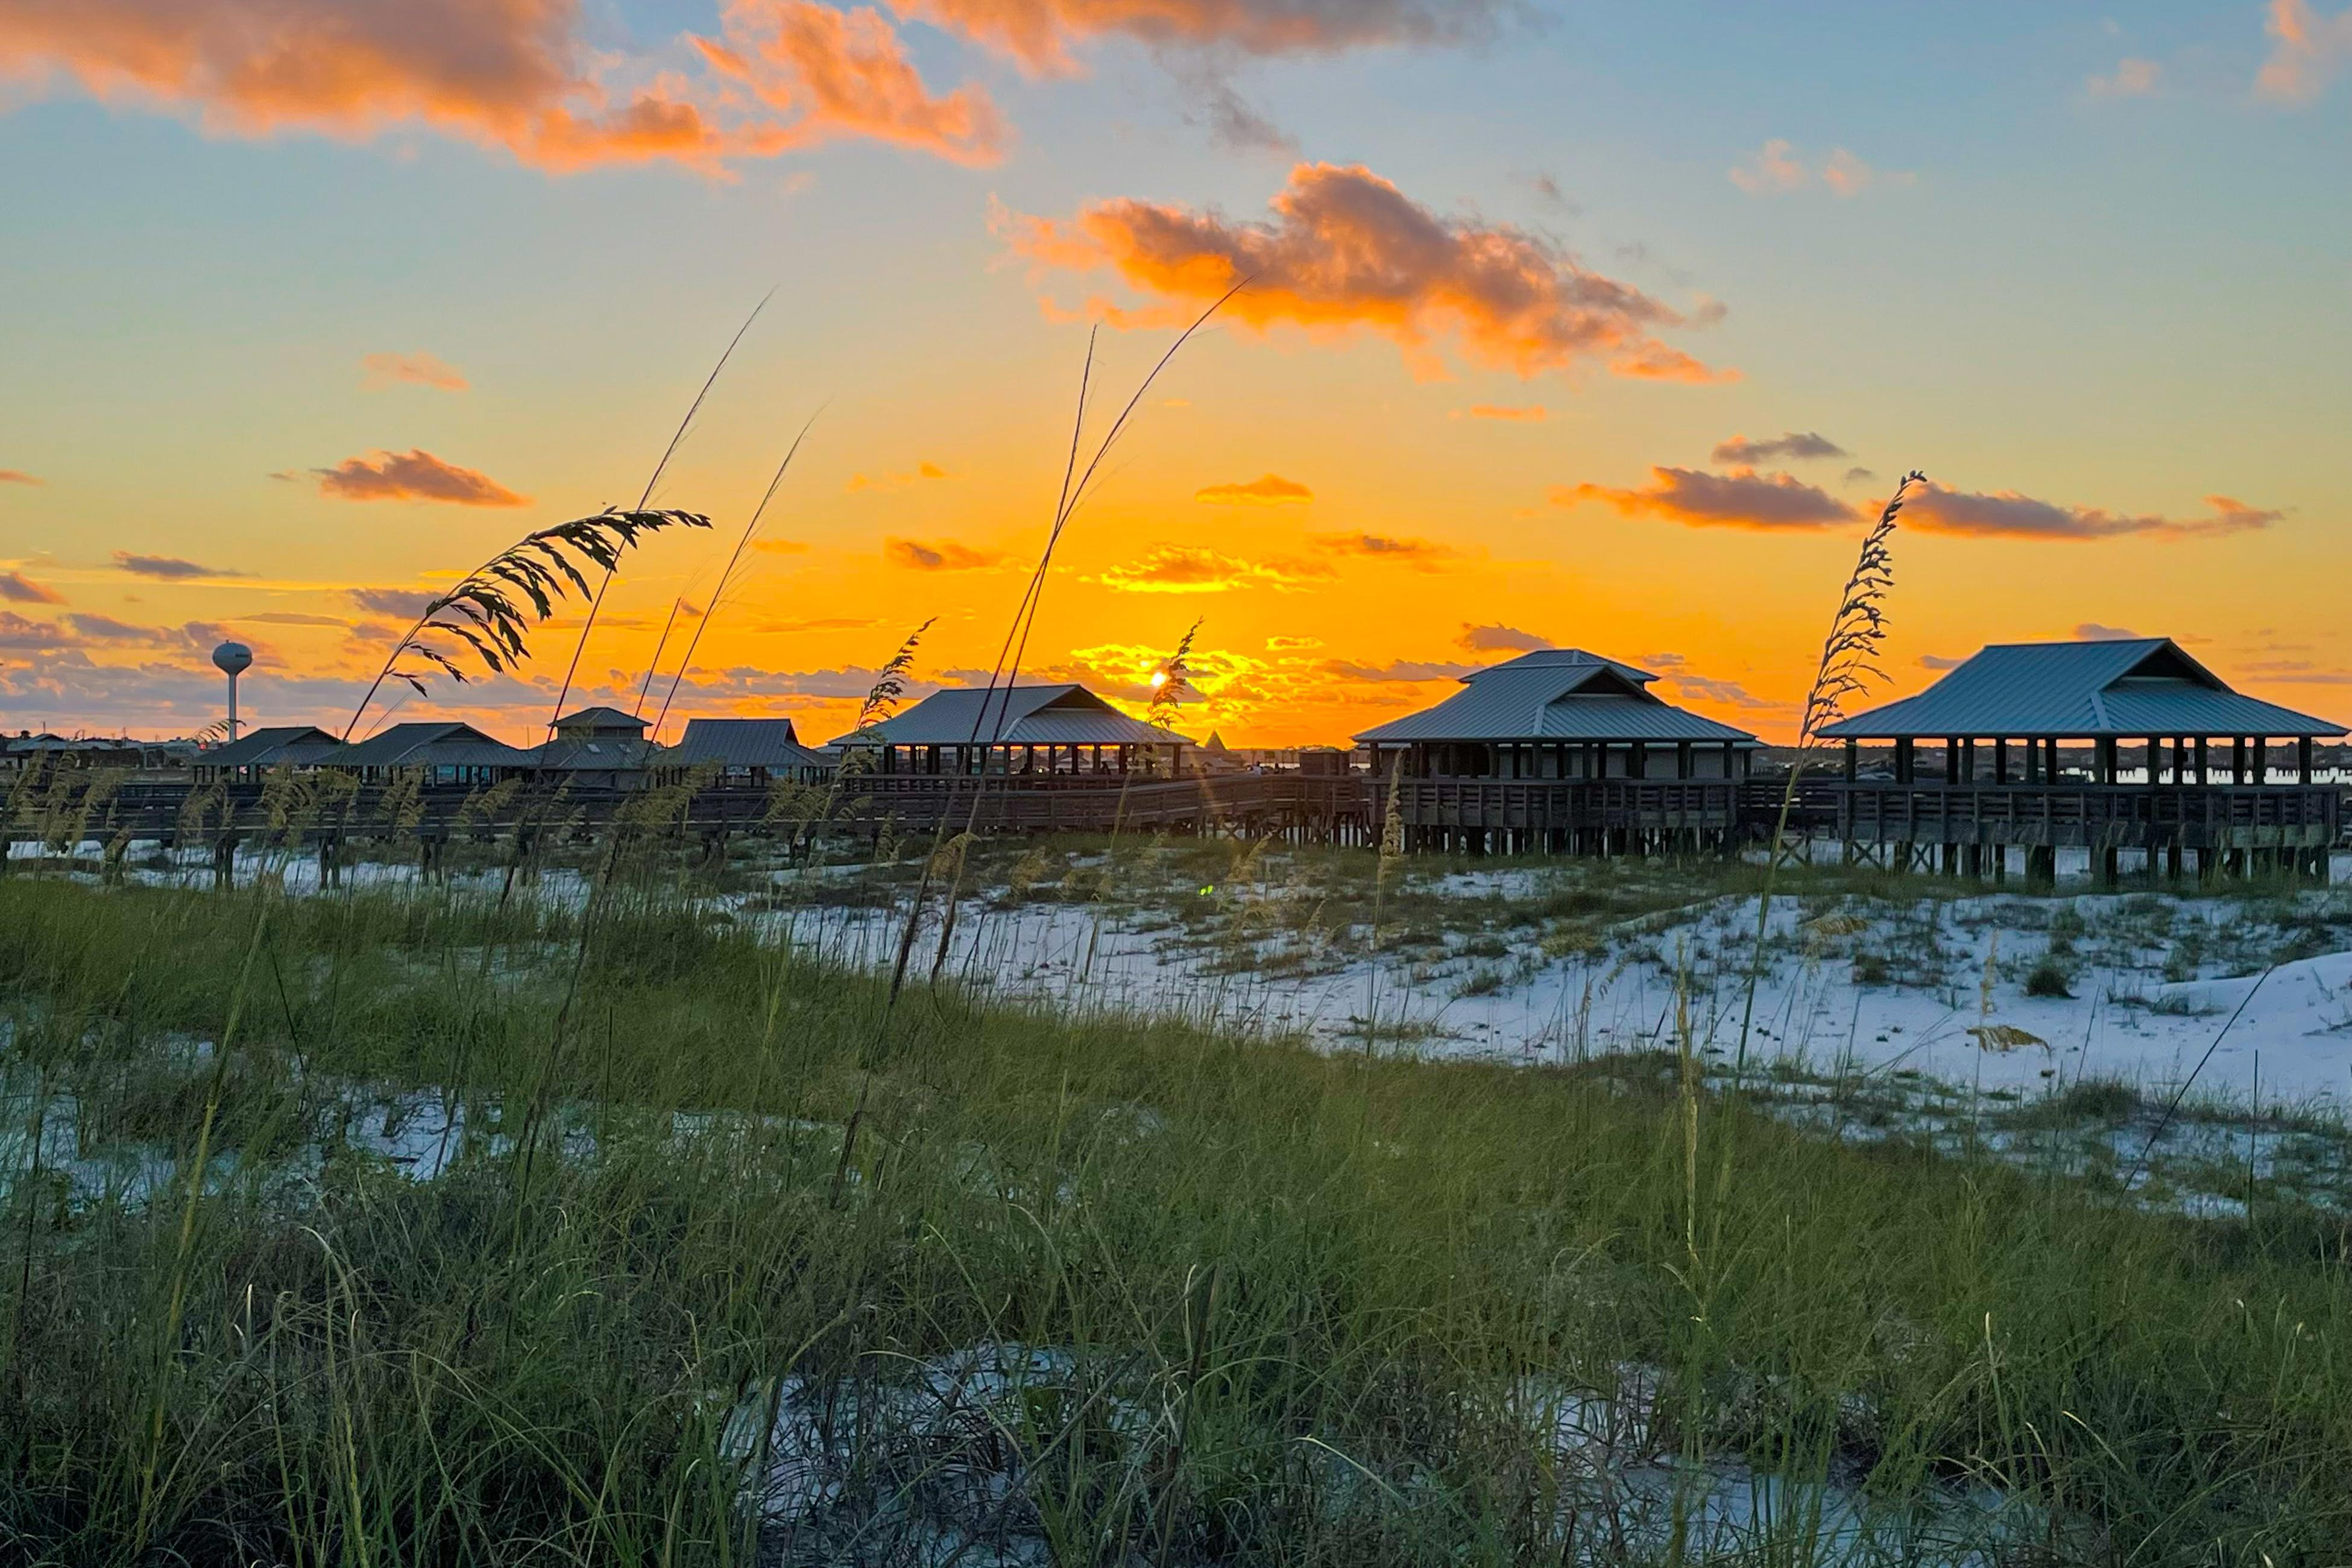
(1266,490)
(1041,33)
(845,73)
(2307,51)
(2006,513)
(1195,569)
(1346,250)
(1532,413)
(510,74)
(1741,499)
(18,589)
(923,471)
(413,475)
(18,476)
(425,370)
(945,555)
(779,547)
(1776,167)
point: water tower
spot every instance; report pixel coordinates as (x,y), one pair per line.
(231,659)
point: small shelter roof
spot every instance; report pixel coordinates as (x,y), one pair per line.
(430,744)
(273,746)
(2123,687)
(1064,715)
(600,719)
(769,743)
(1560,695)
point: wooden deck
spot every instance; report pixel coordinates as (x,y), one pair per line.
(2162,817)
(1562,816)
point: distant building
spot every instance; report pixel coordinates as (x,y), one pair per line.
(597,748)
(1038,730)
(750,753)
(244,760)
(441,754)
(27,751)
(1558,714)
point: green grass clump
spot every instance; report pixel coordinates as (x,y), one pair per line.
(1304,1295)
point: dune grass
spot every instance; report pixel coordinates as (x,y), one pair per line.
(1297,1303)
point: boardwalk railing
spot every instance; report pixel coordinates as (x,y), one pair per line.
(2092,816)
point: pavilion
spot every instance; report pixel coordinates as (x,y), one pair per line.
(1034,732)
(2178,762)
(1562,749)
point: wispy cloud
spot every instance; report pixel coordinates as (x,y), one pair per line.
(18,589)
(18,476)
(1347,251)
(1497,638)
(1776,168)
(1406,670)
(1744,499)
(1043,34)
(1196,568)
(412,476)
(2092,631)
(381,370)
(2308,52)
(941,555)
(1266,490)
(917,476)
(1791,447)
(780,547)
(399,603)
(2132,78)
(169,568)
(2007,513)
(1528,413)
(1424,554)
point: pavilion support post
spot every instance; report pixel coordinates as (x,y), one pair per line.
(1852,760)
(1951,759)
(2237,759)
(2204,770)
(2262,759)
(2302,758)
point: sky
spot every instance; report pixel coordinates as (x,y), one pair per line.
(1593,325)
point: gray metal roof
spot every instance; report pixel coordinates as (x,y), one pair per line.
(1062,715)
(601,718)
(2135,686)
(274,746)
(769,743)
(431,746)
(1561,694)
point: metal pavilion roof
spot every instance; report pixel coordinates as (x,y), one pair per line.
(769,743)
(608,719)
(2137,686)
(273,746)
(1557,693)
(1065,714)
(424,745)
